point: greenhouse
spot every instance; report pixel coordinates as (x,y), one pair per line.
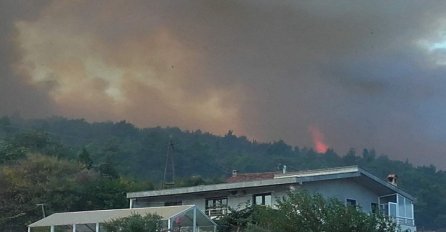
(183,218)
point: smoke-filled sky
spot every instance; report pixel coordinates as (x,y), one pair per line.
(354,73)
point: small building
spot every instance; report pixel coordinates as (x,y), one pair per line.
(174,218)
(351,185)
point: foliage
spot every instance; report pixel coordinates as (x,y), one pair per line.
(135,223)
(236,219)
(10,152)
(35,180)
(119,149)
(84,159)
(304,212)
(107,169)
(301,211)
(14,147)
(61,185)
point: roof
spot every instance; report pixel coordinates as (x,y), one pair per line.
(213,187)
(319,172)
(361,176)
(100,216)
(250,177)
(354,172)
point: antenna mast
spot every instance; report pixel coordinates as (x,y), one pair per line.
(169,160)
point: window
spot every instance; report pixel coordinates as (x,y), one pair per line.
(216,206)
(262,199)
(392,209)
(387,205)
(351,202)
(405,207)
(172,203)
(374,207)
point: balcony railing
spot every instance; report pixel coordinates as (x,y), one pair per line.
(405,221)
(216,212)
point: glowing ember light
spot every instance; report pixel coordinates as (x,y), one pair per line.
(318,140)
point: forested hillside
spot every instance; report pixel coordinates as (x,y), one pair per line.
(76,165)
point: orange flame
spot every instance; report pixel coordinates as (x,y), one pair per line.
(318,140)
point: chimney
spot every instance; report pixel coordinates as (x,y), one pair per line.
(234,173)
(284,169)
(392,178)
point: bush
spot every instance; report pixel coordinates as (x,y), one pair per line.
(305,212)
(135,223)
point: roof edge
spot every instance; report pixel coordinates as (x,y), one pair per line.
(186,207)
(212,187)
(386,184)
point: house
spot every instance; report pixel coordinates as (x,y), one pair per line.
(352,185)
(174,218)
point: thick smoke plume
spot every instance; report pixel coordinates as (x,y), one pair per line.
(365,73)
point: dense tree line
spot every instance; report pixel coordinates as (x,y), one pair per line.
(109,154)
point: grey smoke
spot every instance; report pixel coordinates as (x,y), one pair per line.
(357,70)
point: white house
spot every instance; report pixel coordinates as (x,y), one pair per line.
(351,185)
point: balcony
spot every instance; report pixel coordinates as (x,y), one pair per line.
(216,207)
(216,212)
(400,209)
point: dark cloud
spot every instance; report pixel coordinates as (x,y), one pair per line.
(361,72)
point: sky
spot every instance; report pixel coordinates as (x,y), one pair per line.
(323,74)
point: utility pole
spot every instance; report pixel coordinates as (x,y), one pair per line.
(43,208)
(169,163)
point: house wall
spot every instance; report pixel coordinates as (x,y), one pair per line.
(340,189)
(236,199)
(343,189)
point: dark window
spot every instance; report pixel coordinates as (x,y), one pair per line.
(172,203)
(351,202)
(374,207)
(262,199)
(216,206)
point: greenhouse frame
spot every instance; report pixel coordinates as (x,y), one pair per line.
(183,218)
